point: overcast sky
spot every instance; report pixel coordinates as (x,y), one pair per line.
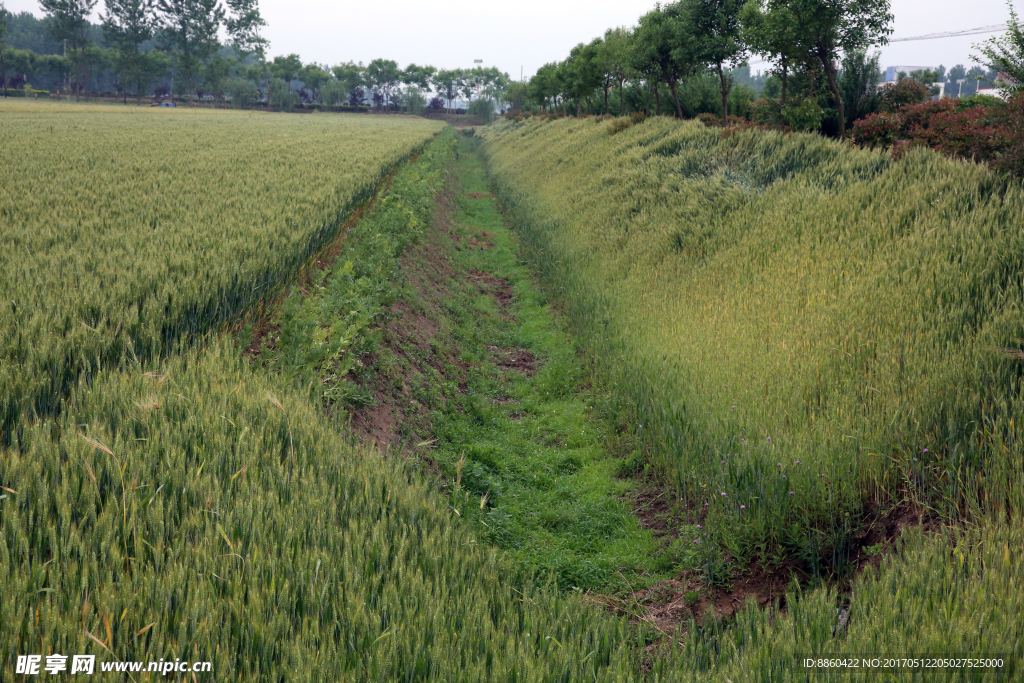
(527,33)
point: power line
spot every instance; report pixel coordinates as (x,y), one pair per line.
(995,28)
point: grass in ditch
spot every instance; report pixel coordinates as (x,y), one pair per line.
(522,438)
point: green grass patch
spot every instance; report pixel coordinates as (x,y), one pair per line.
(536,477)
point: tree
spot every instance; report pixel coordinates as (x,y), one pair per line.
(613,60)
(488,82)
(494,83)
(243,25)
(4,23)
(128,24)
(419,76)
(826,27)
(189,30)
(770,31)
(22,64)
(215,76)
(286,68)
(545,84)
(383,75)
(715,40)
(314,76)
(414,101)
(604,76)
(859,85)
(243,93)
(581,74)
(355,96)
(642,66)
(280,96)
(661,49)
(448,83)
(1006,52)
(67,21)
(350,74)
(515,96)
(281,72)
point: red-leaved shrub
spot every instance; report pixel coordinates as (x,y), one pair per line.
(991,134)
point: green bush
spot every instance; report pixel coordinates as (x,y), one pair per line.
(243,93)
(27,91)
(415,102)
(908,91)
(804,114)
(979,101)
(281,97)
(482,108)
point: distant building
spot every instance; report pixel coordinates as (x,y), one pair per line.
(1002,87)
(892,73)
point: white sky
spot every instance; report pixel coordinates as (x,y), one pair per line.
(527,33)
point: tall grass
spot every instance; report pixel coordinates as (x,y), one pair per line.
(801,332)
(212,504)
(326,325)
(955,596)
(198,507)
(126,231)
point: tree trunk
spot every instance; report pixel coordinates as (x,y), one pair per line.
(657,100)
(622,102)
(725,95)
(579,108)
(605,99)
(785,74)
(675,96)
(830,74)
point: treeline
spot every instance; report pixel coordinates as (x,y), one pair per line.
(140,42)
(167,47)
(690,57)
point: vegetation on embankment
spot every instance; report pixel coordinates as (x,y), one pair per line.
(434,338)
(805,337)
(126,231)
(803,330)
(210,512)
(202,508)
(955,596)
(471,355)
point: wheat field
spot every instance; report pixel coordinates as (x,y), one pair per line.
(127,231)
